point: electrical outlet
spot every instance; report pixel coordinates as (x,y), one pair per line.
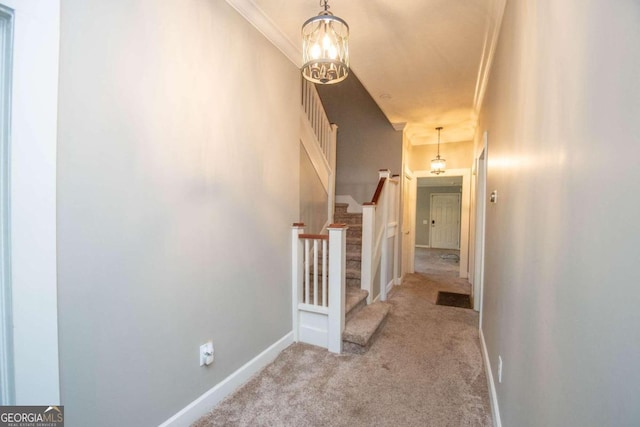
(499,369)
(206,353)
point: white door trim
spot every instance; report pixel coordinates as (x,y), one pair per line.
(33,200)
(6,318)
(464,214)
(480,220)
(408,221)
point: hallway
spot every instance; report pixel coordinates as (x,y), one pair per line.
(425,369)
(438,261)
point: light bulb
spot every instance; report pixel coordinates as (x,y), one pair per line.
(315,51)
(326,42)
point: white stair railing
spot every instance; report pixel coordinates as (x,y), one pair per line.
(380,219)
(318,137)
(318,286)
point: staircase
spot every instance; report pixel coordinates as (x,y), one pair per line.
(362,322)
(354,242)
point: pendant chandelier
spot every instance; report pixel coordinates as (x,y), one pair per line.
(438,165)
(325,47)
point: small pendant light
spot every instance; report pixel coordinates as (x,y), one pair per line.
(438,165)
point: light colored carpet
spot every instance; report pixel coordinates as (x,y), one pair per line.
(431,261)
(424,369)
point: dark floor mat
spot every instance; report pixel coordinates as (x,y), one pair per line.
(453,299)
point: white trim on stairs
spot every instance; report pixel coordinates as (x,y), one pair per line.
(207,401)
(493,396)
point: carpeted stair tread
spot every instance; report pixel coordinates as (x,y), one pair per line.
(354,255)
(352,273)
(353,283)
(364,324)
(354,297)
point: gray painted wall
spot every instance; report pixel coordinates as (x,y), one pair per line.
(423,210)
(366,140)
(313,196)
(562,295)
(178,176)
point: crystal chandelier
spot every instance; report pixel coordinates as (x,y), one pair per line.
(325,47)
(438,165)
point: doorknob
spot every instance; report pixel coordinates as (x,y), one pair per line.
(433,222)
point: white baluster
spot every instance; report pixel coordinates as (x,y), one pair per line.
(306,271)
(325,273)
(315,271)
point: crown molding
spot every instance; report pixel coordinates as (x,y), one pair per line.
(256,17)
(489,49)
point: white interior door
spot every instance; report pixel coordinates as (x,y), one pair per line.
(445,221)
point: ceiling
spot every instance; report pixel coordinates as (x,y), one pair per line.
(425,62)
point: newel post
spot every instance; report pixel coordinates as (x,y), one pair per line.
(297,271)
(337,284)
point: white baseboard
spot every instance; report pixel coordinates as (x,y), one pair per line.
(203,404)
(423,246)
(493,396)
(390,286)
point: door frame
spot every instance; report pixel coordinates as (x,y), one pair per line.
(480,221)
(459,196)
(465,212)
(32,202)
(408,221)
(6,318)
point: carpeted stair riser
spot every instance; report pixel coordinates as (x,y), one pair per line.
(354,255)
(353,283)
(354,247)
(349,219)
(355,300)
(355,230)
(354,264)
(363,327)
